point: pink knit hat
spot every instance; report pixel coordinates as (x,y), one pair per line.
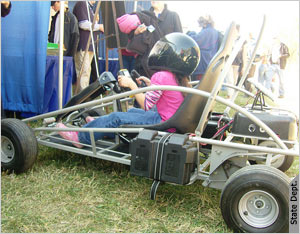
(127,23)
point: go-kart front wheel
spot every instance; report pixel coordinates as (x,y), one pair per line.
(256,199)
(19,147)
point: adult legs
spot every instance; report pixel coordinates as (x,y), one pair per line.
(128,62)
(276,70)
(261,73)
(280,73)
(251,73)
(85,62)
(93,77)
(269,74)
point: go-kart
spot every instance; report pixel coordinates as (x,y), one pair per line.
(250,172)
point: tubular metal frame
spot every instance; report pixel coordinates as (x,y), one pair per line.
(108,150)
(221,150)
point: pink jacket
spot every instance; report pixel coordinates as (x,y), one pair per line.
(127,23)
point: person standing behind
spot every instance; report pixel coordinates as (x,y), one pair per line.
(237,67)
(279,55)
(248,47)
(128,59)
(82,13)
(71,31)
(266,73)
(5,8)
(167,22)
(208,40)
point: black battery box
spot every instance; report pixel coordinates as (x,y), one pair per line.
(211,127)
(169,158)
(283,123)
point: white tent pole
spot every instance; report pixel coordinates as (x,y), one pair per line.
(92,35)
(134,6)
(61,55)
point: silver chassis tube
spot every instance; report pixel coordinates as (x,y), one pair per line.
(229,86)
(239,89)
(92,151)
(200,174)
(166,87)
(231,135)
(192,138)
(99,106)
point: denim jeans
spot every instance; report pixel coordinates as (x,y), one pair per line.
(266,74)
(128,62)
(281,79)
(133,116)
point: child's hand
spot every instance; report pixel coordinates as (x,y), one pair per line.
(140,29)
(145,79)
(127,82)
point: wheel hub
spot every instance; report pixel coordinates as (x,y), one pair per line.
(7,150)
(258,208)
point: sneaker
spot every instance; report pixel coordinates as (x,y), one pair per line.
(281,96)
(89,119)
(71,136)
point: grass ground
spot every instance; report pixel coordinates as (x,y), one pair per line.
(69,193)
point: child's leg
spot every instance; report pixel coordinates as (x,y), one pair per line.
(116,119)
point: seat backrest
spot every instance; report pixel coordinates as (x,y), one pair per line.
(187,117)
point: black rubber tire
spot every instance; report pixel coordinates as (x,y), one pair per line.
(286,163)
(19,148)
(258,180)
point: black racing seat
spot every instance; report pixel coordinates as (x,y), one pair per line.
(187,117)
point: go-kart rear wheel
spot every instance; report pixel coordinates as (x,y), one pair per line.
(256,199)
(283,163)
(19,147)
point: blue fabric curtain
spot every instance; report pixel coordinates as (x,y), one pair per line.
(143,5)
(24,35)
